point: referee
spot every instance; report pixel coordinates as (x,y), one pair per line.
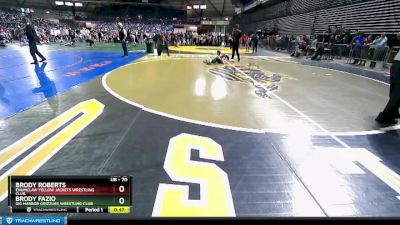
(391,111)
(32,39)
(123,37)
(236,35)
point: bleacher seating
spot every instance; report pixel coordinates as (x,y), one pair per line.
(301,16)
(371,17)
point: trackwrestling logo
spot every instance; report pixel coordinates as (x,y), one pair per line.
(33,220)
(268,81)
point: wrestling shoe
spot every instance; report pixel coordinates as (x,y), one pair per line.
(386,121)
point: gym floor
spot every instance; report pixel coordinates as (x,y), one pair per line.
(270,136)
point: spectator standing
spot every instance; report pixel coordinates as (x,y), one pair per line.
(165,43)
(365,49)
(230,41)
(159,43)
(244,41)
(369,40)
(123,35)
(357,43)
(381,41)
(248,42)
(378,48)
(254,42)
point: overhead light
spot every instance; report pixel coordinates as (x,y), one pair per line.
(78,4)
(47,12)
(69,4)
(226,18)
(203,6)
(196,6)
(189,7)
(59,3)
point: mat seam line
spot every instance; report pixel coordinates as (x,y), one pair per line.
(287,161)
(108,157)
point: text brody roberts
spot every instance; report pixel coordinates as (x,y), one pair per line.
(40,184)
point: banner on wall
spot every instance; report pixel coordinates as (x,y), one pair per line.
(220,23)
(180,30)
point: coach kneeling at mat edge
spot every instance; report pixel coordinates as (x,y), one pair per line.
(391,111)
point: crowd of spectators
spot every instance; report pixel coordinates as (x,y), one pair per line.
(139,31)
(147,30)
(12,27)
(193,38)
(212,39)
(361,47)
(339,41)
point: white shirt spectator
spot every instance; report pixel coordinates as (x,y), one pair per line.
(382,41)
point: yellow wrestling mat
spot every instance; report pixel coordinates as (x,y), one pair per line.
(205,49)
(183,88)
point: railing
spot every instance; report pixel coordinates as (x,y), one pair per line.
(340,50)
(367,53)
(361,55)
(392,53)
(278,45)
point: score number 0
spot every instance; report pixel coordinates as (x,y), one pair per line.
(215,193)
(121,189)
(121,200)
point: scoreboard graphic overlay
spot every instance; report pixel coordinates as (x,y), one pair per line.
(92,194)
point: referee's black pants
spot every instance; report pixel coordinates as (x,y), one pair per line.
(125,48)
(34,51)
(235,49)
(255,45)
(391,110)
